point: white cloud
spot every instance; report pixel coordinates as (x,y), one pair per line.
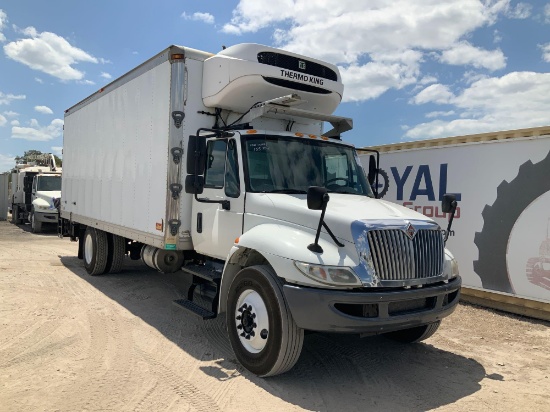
(431,115)
(43,109)
(434,93)
(515,100)
(14,123)
(8,98)
(106,75)
(428,80)
(104,61)
(547,13)
(204,17)
(473,76)
(48,53)
(86,82)
(38,80)
(7,162)
(464,53)
(370,80)
(57,150)
(545,52)
(3,21)
(497,37)
(3,121)
(521,11)
(38,133)
(10,113)
(360,36)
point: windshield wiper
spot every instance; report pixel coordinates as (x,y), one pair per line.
(287,191)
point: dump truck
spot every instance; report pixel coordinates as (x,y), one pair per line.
(215,168)
(36,190)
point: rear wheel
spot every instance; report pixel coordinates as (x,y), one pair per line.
(414,335)
(261,329)
(96,251)
(116,252)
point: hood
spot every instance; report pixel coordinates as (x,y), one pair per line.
(342,211)
(47,197)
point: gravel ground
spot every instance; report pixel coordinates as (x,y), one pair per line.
(73,342)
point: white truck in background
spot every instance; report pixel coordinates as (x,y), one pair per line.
(36,190)
(215,167)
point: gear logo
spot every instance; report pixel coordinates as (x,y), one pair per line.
(513,198)
(383,183)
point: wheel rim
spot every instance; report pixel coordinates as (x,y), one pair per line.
(88,249)
(252,321)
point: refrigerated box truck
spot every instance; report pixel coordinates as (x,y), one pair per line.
(215,167)
(501,234)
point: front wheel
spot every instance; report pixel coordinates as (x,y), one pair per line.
(36,226)
(261,329)
(413,335)
(14,214)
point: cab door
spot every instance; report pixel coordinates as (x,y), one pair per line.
(215,226)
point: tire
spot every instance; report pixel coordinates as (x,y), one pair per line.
(14,214)
(116,251)
(36,227)
(262,332)
(95,251)
(414,335)
(499,219)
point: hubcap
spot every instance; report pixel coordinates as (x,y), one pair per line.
(88,249)
(252,321)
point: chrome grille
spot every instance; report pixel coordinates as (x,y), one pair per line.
(396,257)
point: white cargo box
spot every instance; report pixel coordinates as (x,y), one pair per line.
(119,151)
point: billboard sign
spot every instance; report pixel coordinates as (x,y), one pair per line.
(501,231)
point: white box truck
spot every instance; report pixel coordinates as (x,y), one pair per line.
(216,167)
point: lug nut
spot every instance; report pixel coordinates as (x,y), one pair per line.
(263,334)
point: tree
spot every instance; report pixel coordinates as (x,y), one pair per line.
(41,159)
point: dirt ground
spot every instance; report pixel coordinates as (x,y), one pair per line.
(73,342)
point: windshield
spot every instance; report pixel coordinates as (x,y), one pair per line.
(279,164)
(49,183)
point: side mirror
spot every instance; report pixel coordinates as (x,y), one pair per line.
(373,168)
(317,197)
(196,155)
(448,204)
(194,184)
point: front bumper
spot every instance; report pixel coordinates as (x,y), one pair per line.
(45,217)
(371,312)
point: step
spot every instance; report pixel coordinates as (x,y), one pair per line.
(194,308)
(203,271)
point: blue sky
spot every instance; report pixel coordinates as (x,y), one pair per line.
(412,69)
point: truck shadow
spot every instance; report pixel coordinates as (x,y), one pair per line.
(334,372)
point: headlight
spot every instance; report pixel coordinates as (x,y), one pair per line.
(451,265)
(43,207)
(330,275)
